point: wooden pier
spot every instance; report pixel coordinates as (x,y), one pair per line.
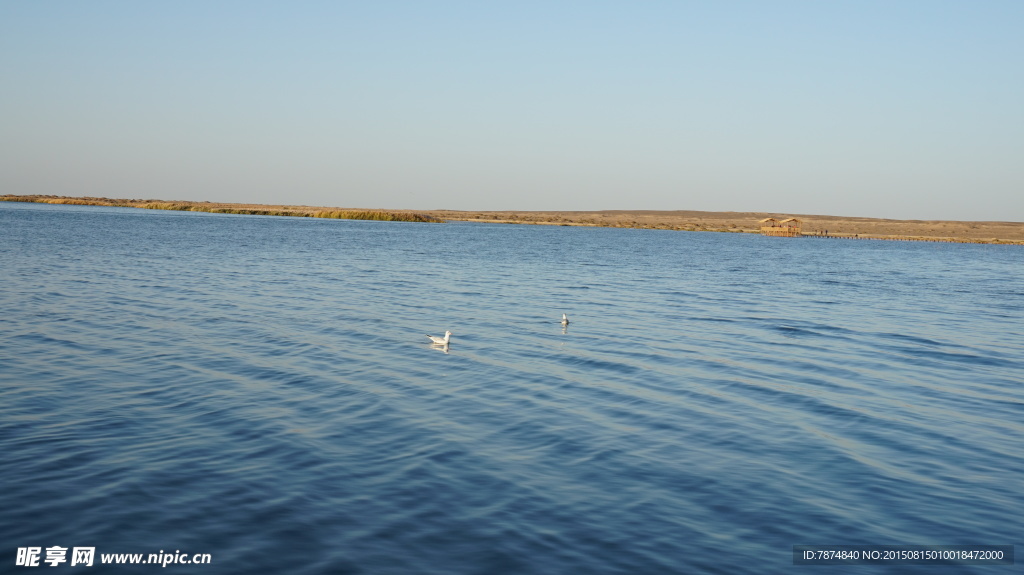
(941,240)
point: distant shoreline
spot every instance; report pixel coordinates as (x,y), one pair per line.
(734,222)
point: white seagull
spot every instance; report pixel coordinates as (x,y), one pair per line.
(565,319)
(440,340)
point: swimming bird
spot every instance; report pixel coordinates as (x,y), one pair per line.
(565,319)
(440,340)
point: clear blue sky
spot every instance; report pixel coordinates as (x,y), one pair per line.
(900,109)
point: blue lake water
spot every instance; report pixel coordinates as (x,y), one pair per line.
(260,389)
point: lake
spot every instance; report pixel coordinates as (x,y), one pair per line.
(260,389)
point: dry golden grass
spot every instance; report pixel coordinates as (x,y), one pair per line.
(244,209)
(374,215)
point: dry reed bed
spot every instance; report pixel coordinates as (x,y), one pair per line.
(378,215)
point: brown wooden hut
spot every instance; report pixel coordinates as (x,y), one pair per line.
(787,228)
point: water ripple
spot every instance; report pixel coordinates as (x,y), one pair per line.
(260,389)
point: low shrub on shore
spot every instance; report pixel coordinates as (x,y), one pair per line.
(373,215)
